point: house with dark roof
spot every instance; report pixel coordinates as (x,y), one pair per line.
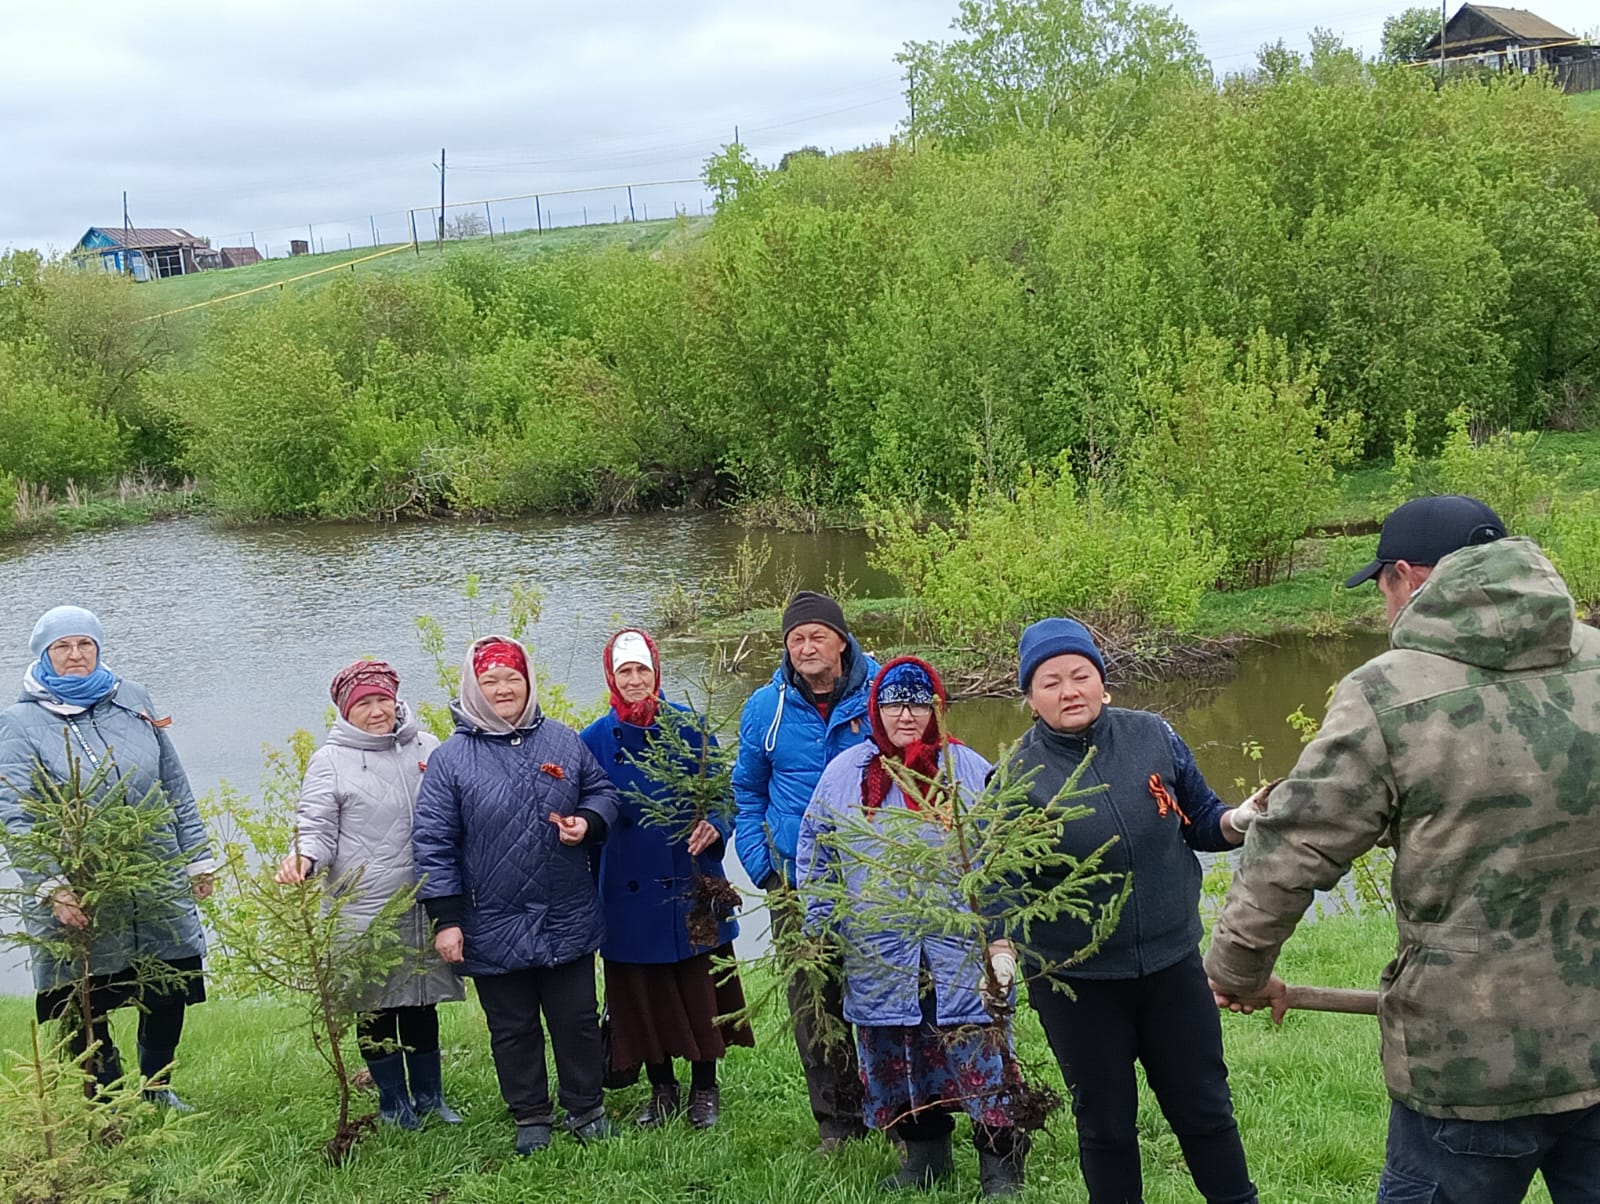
(1483,36)
(145,253)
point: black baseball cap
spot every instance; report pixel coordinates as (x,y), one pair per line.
(1427,529)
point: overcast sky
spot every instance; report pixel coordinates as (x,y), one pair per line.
(261,117)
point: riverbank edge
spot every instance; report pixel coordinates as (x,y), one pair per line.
(1309,1098)
(1314,604)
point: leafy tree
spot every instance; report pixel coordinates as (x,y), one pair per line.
(1406,33)
(1246,446)
(1024,67)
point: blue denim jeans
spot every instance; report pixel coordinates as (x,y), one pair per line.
(1436,1161)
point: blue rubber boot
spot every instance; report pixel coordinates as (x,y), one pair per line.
(427,1087)
(394,1102)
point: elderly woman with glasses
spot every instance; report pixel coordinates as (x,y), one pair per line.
(927,1043)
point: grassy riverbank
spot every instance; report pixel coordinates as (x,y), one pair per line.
(1310,1101)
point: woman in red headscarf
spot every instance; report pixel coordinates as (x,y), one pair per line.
(353,823)
(510,806)
(659,872)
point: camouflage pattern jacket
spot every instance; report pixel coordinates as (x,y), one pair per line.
(1473,747)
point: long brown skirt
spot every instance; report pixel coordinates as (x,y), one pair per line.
(670,1011)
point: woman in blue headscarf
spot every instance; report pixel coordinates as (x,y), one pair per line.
(74,708)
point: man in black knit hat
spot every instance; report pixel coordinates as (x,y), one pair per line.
(813,709)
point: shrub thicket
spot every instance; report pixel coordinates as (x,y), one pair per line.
(906,320)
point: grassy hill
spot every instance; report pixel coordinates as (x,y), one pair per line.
(178,291)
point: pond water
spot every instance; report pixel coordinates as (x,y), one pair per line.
(237,632)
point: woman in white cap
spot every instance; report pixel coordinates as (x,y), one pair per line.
(74,708)
(662,988)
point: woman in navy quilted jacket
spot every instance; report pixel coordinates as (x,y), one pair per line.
(505,810)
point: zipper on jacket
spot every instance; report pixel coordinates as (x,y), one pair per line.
(1127,843)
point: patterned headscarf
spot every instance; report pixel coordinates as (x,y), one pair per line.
(905,681)
(362,680)
(500,653)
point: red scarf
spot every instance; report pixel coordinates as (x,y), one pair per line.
(921,757)
(643,712)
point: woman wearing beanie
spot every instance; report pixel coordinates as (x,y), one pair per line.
(662,990)
(927,1045)
(1143,994)
(74,706)
(505,810)
(354,824)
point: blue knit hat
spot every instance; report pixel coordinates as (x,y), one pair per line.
(61,621)
(1053,637)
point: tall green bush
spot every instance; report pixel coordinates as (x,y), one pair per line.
(1246,447)
(1057,546)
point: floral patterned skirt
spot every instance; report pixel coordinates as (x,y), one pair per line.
(909,1069)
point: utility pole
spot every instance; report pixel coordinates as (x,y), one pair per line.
(440,166)
(127,227)
(1442,22)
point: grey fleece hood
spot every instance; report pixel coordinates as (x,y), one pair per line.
(471,707)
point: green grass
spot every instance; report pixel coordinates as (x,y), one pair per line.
(178,291)
(1309,1097)
(1587,103)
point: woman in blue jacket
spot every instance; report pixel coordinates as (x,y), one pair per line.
(928,1046)
(656,874)
(505,807)
(1142,995)
(73,705)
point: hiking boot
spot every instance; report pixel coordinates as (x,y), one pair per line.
(533,1136)
(927,1163)
(154,1064)
(705,1107)
(598,1129)
(663,1106)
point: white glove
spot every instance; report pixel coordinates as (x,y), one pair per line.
(1242,816)
(996,986)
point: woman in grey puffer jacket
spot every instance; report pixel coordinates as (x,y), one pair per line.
(354,823)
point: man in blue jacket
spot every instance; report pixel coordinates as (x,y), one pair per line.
(813,709)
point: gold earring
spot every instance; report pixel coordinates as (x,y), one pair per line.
(1105,699)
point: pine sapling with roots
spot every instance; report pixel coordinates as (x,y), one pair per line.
(693,773)
(294,942)
(964,867)
(86,835)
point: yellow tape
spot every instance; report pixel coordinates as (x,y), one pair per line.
(261,288)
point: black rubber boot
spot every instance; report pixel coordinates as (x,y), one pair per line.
(394,1102)
(927,1163)
(1000,1174)
(154,1065)
(427,1087)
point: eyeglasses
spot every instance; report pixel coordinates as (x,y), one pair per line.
(918,710)
(71,645)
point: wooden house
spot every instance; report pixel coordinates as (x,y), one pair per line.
(145,253)
(1487,37)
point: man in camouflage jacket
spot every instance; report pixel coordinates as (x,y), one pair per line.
(1472,747)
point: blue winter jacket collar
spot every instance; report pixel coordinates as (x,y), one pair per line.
(466,725)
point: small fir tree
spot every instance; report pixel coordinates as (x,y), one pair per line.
(87,835)
(695,774)
(293,942)
(1000,856)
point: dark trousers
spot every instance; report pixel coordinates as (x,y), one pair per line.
(393,1030)
(826,1045)
(1168,1022)
(1491,1161)
(160,1028)
(565,994)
